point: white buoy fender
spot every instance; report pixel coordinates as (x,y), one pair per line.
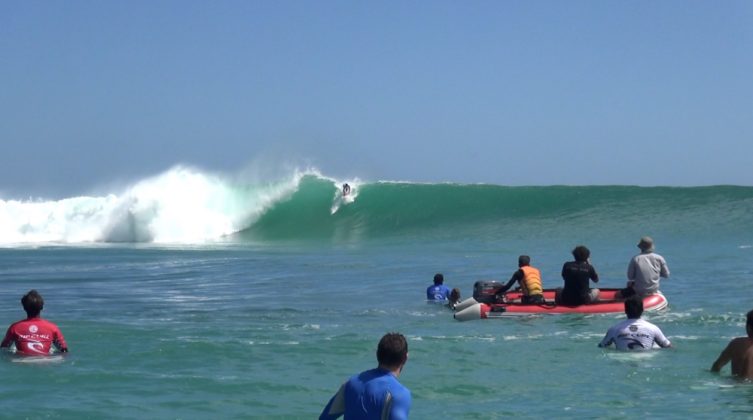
(469,313)
(465,304)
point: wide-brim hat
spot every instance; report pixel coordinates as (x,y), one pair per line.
(646,244)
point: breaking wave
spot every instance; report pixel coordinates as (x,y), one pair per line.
(190,206)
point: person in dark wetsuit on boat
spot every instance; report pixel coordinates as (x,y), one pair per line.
(529,279)
(576,275)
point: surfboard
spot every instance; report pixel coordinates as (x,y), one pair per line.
(341,200)
(38,359)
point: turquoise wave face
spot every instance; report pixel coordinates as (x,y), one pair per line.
(386,209)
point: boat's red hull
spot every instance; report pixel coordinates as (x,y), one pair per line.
(512,307)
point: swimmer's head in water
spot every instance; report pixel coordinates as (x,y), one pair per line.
(32,303)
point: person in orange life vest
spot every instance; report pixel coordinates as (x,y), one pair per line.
(34,336)
(529,279)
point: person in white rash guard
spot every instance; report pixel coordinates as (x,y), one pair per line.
(634,333)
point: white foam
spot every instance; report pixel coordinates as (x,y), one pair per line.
(630,356)
(182,205)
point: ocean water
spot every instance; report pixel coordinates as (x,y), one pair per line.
(190,296)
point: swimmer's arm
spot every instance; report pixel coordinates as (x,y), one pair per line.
(665,345)
(724,357)
(400,406)
(7,340)
(336,406)
(60,341)
(607,340)
(662,340)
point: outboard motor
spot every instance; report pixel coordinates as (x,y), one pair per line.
(484,291)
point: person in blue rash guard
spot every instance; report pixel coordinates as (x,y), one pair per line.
(376,393)
(438,291)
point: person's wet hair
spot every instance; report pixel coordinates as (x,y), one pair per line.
(438,278)
(392,350)
(455,295)
(634,307)
(749,321)
(581,253)
(32,303)
(524,260)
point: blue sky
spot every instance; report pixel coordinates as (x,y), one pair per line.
(504,92)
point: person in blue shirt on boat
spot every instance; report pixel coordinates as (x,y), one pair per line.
(644,271)
(529,279)
(376,393)
(438,291)
(634,333)
(577,275)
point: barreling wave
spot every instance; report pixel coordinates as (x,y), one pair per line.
(183,205)
(388,209)
(188,206)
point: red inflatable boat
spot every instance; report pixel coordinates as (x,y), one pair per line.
(477,308)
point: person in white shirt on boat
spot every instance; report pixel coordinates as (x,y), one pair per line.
(634,333)
(644,271)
